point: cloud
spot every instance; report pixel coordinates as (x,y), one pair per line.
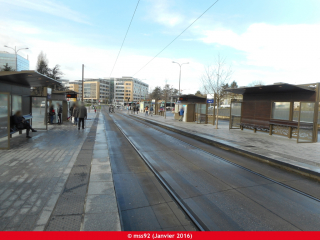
(49,7)
(98,61)
(289,50)
(280,47)
(160,12)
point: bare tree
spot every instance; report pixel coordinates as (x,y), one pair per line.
(55,72)
(214,80)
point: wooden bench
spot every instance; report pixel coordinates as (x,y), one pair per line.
(14,129)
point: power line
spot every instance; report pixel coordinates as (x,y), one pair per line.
(177,37)
(124,38)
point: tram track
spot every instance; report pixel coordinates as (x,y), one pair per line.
(186,207)
(235,164)
(145,204)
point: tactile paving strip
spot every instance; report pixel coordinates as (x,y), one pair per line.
(67,213)
(64,223)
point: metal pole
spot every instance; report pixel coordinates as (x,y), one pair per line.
(218,102)
(82,82)
(179,80)
(15,49)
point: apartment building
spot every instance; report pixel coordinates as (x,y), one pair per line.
(74,86)
(129,89)
(94,89)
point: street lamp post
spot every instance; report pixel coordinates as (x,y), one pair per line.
(16,52)
(180,64)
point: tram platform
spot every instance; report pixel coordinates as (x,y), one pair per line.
(59,180)
(282,151)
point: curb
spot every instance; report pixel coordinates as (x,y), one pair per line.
(277,163)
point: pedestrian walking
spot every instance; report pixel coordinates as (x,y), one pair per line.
(59,107)
(52,112)
(181,114)
(71,111)
(75,114)
(82,115)
(138,108)
(146,111)
(151,110)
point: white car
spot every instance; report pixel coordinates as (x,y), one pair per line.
(43,104)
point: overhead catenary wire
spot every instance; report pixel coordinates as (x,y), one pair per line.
(176,37)
(124,37)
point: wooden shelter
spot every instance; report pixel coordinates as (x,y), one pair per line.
(281,109)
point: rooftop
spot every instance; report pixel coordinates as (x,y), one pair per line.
(27,78)
(277,87)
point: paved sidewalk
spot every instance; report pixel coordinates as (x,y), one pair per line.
(34,173)
(275,147)
(101,209)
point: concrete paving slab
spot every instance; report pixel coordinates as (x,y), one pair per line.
(99,177)
(101,222)
(101,168)
(34,172)
(101,204)
(101,188)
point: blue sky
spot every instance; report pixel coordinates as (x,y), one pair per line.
(268,41)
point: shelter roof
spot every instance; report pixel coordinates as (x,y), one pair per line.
(191,96)
(281,87)
(27,78)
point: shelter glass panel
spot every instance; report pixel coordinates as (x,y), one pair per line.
(281,110)
(296,110)
(56,109)
(201,113)
(305,134)
(235,118)
(39,116)
(16,104)
(4,120)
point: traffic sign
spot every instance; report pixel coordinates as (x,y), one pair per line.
(210,100)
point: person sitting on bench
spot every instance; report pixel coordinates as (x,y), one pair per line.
(21,123)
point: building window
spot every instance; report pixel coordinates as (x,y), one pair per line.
(281,110)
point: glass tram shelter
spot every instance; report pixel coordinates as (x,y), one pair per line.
(195,108)
(281,109)
(27,91)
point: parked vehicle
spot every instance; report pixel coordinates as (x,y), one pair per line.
(43,104)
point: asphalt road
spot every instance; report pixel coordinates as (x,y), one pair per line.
(222,196)
(144,204)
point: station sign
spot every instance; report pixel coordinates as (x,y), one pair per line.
(210,101)
(71,95)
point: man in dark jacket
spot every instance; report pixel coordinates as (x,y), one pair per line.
(82,114)
(51,113)
(21,123)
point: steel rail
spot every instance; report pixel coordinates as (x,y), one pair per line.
(186,209)
(235,164)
